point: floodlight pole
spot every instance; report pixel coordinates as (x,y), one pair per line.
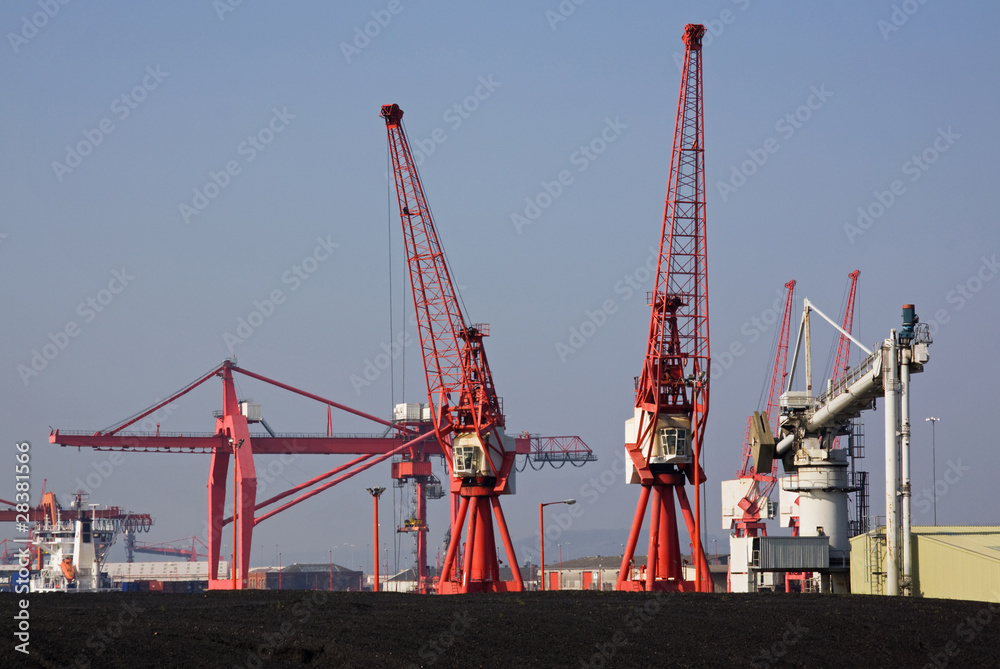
(376,493)
(541,541)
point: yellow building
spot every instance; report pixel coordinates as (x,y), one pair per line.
(955,562)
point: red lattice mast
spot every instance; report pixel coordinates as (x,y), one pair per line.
(751,525)
(467,413)
(842,361)
(672,392)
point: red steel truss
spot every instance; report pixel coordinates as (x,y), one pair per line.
(675,374)
(232,440)
(465,407)
(842,361)
(751,525)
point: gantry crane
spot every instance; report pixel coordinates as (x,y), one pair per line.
(401,438)
(467,413)
(174,549)
(232,439)
(664,437)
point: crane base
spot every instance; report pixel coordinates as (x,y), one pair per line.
(456,588)
(658,586)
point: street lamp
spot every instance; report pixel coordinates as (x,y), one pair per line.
(933,421)
(376,493)
(541,536)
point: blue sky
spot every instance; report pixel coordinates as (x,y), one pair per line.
(813,111)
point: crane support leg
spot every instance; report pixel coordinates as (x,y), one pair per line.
(652,559)
(233,424)
(484,558)
(507,544)
(470,544)
(448,568)
(246,479)
(480,570)
(668,554)
(216,509)
(696,548)
(624,574)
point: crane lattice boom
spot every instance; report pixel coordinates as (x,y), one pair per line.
(671,398)
(467,413)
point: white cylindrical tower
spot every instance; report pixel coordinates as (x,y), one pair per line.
(890,371)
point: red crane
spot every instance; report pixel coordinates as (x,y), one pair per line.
(232,439)
(173,549)
(465,409)
(760,484)
(841,363)
(671,400)
(405,440)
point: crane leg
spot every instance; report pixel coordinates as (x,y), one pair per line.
(507,544)
(706,580)
(652,560)
(470,544)
(217,473)
(484,558)
(448,568)
(624,574)
(671,556)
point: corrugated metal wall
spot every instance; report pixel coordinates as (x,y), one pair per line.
(948,563)
(797,553)
(949,572)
